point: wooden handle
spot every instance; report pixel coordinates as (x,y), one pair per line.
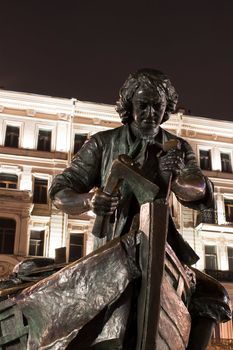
(101,226)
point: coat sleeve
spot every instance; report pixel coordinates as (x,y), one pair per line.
(83,173)
(191,165)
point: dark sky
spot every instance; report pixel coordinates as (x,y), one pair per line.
(86,48)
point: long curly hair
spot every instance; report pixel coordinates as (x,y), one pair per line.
(145,78)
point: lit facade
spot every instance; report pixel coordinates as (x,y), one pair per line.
(38,137)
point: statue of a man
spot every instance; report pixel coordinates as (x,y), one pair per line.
(147,99)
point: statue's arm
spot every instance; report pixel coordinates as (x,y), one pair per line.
(192,188)
(75,203)
(70,190)
(72,202)
(189,184)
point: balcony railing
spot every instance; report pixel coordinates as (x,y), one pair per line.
(222,276)
(208,216)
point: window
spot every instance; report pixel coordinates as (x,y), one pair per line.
(76,246)
(12,136)
(8,181)
(36,243)
(228,210)
(205,160)
(40,191)
(44,140)
(230,257)
(79,140)
(217,332)
(210,257)
(226,162)
(7,236)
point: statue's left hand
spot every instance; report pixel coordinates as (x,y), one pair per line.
(190,185)
(172,162)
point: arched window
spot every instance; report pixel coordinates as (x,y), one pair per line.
(7,235)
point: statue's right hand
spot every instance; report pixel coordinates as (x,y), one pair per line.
(103,203)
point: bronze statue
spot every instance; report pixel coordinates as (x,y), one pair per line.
(147,99)
(95,302)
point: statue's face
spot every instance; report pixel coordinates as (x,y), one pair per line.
(148,110)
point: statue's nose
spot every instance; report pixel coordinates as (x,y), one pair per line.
(151,110)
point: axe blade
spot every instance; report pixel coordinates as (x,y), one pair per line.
(144,190)
(124,169)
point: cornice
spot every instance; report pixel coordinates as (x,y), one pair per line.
(96,111)
(65,107)
(200,125)
(33,103)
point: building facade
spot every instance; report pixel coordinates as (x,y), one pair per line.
(38,137)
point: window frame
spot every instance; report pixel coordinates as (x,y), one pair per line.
(205,149)
(45,127)
(222,151)
(47,146)
(11,251)
(34,239)
(228,199)
(228,258)
(211,255)
(5,135)
(77,233)
(9,181)
(85,135)
(41,179)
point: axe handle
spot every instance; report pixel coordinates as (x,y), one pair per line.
(101,226)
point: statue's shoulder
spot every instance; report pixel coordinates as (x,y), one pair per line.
(111,134)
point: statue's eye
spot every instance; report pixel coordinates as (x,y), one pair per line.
(142,105)
(157,106)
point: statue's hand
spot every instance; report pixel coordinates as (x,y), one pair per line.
(190,185)
(172,162)
(103,203)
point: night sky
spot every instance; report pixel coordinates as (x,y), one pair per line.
(86,48)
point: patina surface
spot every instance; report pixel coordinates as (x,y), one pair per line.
(94,303)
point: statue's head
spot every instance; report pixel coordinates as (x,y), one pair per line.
(147,82)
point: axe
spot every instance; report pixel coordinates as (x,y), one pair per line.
(124,169)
